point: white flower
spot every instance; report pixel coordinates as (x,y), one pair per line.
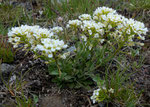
(17,39)
(104,10)
(10,40)
(111,90)
(100,31)
(41,12)
(100,12)
(91,26)
(114,18)
(50,55)
(90,47)
(96,35)
(85,17)
(74,23)
(109,26)
(65,46)
(56,29)
(141,37)
(95,95)
(104,17)
(64,56)
(141,44)
(102,40)
(84,37)
(15,45)
(90,32)
(103,88)
(40,47)
(53,45)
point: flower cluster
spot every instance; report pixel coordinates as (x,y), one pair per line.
(74,23)
(106,24)
(37,39)
(85,17)
(100,94)
(103,10)
(57,30)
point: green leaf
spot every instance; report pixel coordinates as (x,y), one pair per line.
(98,80)
(55,72)
(35,98)
(71,85)
(67,77)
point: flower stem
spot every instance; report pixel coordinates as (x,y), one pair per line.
(110,57)
(56,61)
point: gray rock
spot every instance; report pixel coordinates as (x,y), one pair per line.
(101,105)
(59,1)
(52,101)
(147,58)
(71,49)
(6,68)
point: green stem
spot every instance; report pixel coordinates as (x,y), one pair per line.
(111,56)
(56,61)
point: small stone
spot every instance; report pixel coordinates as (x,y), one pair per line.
(52,101)
(101,105)
(71,49)
(147,58)
(6,68)
(12,79)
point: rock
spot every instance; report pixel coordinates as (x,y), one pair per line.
(59,1)
(101,105)
(147,58)
(6,68)
(52,101)
(71,49)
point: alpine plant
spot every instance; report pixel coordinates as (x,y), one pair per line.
(105,25)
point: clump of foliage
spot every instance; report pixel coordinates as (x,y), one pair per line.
(97,40)
(10,15)
(22,101)
(3,30)
(137,5)
(115,88)
(71,8)
(6,51)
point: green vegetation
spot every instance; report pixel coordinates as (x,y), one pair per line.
(78,68)
(10,16)
(115,89)
(71,8)
(15,15)
(138,5)
(3,30)
(6,50)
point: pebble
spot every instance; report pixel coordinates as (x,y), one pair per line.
(6,68)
